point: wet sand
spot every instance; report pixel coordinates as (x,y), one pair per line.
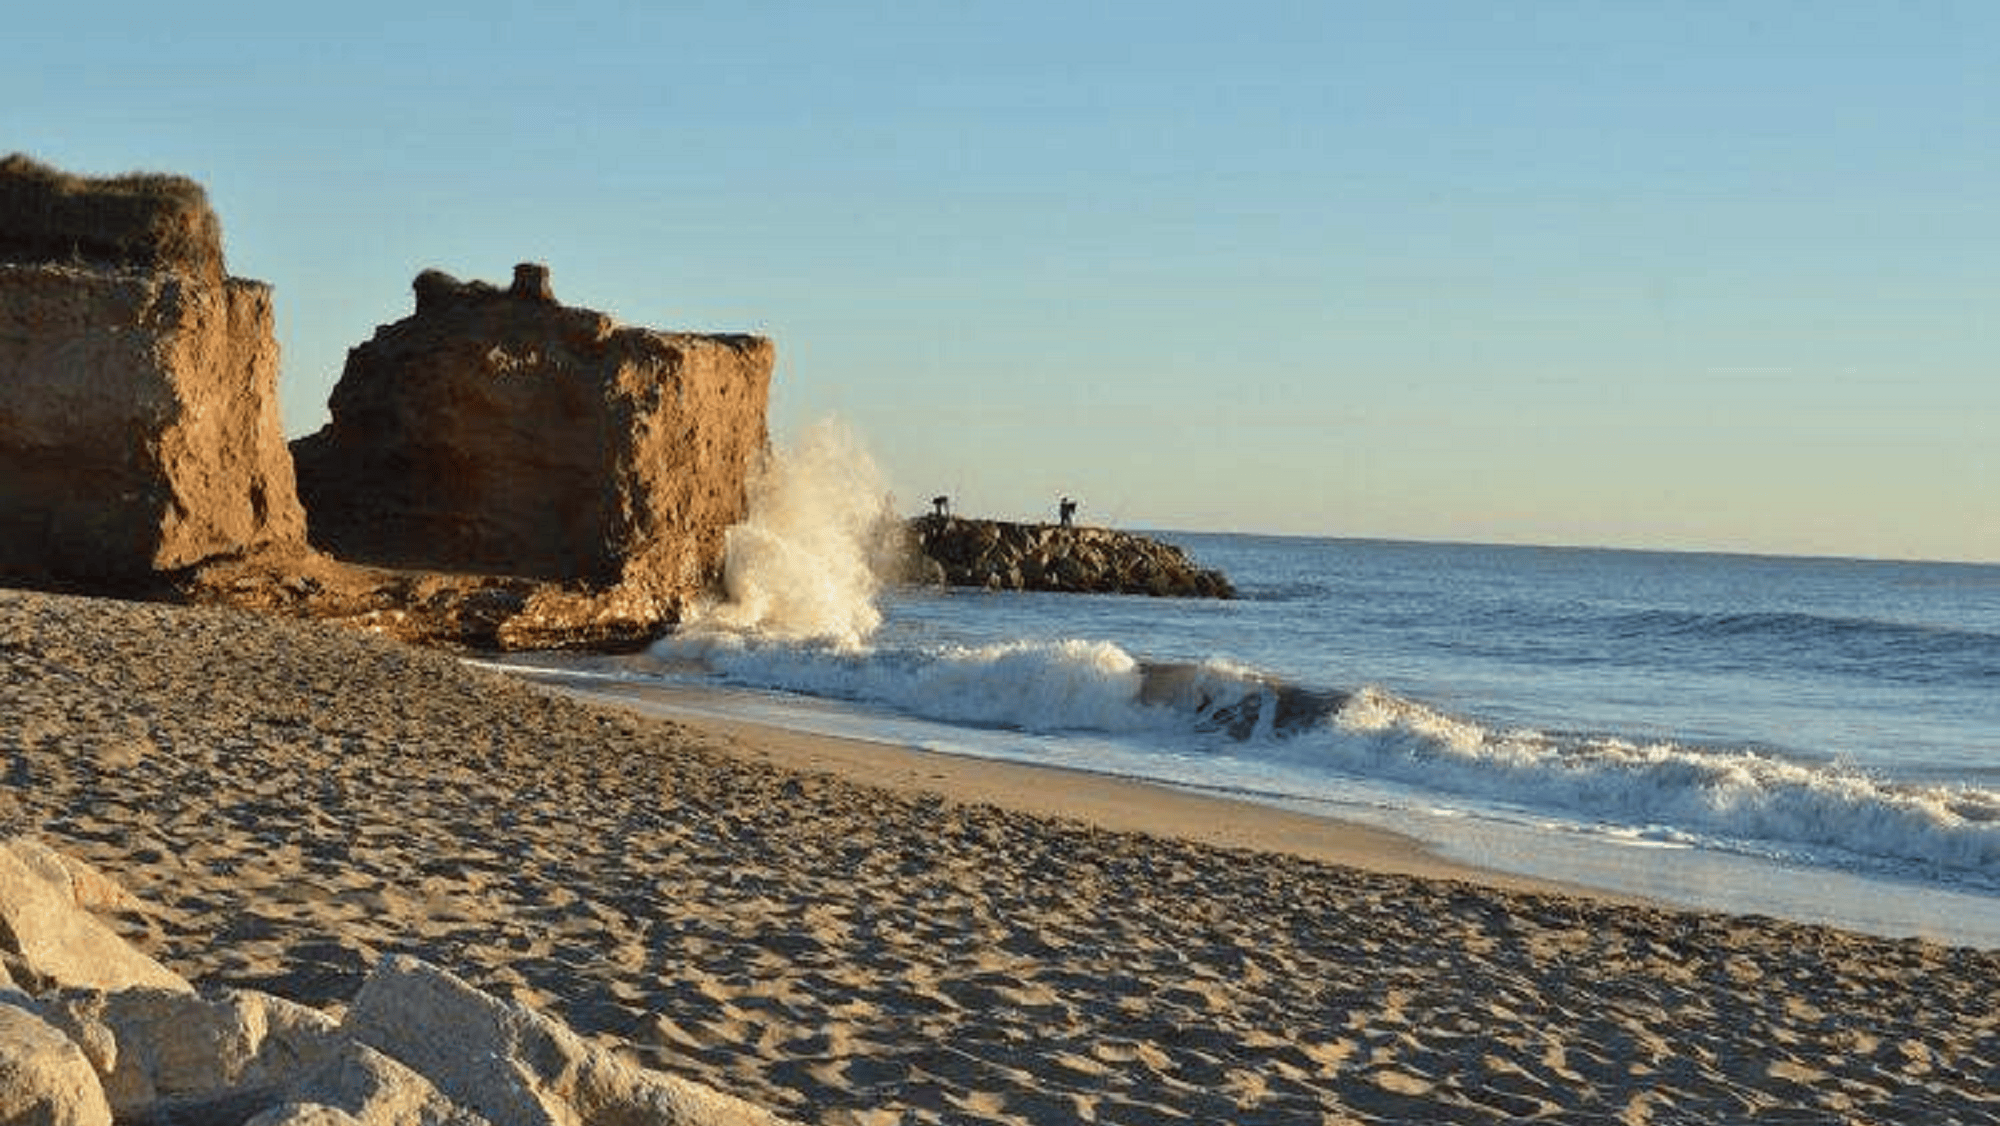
(293,801)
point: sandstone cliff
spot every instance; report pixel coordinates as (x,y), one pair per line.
(999,555)
(139,426)
(591,468)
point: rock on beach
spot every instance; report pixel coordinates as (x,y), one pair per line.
(130,1041)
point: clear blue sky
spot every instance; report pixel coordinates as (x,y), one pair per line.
(1690,275)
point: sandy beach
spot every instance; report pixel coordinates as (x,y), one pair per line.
(958,943)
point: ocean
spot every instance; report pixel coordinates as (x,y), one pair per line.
(1816,739)
(1813,739)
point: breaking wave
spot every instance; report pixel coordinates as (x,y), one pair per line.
(1741,795)
(801,566)
(1221,708)
(1044,687)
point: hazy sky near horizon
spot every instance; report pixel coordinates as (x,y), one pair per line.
(1685,275)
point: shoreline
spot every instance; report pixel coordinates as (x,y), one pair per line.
(291,802)
(1106,801)
(1501,855)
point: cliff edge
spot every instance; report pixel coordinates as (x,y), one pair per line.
(139,423)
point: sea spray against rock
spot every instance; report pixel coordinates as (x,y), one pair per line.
(800,567)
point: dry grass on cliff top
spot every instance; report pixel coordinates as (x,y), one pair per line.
(143,220)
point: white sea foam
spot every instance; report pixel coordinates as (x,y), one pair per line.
(1662,790)
(1070,685)
(1732,794)
(800,567)
(1067,685)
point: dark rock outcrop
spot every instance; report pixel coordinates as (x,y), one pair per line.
(139,425)
(453,610)
(998,555)
(589,467)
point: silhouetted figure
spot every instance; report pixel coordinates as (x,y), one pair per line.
(1067,510)
(941,506)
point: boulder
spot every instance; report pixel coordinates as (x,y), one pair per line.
(496,431)
(418,1046)
(304,1114)
(518,1067)
(154,1046)
(87,887)
(372,1089)
(49,940)
(139,423)
(44,1079)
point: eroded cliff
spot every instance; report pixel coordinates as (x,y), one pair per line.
(589,468)
(139,424)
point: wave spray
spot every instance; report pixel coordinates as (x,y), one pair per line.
(799,568)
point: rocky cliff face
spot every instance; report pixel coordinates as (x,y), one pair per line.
(498,432)
(139,426)
(1004,556)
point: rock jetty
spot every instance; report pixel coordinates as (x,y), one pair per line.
(139,422)
(92,1032)
(999,555)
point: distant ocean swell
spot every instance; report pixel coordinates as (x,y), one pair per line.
(1881,650)
(1839,644)
(1662,789)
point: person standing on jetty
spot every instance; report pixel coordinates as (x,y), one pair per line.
(1066,511)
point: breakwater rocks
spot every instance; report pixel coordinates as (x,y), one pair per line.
(1000,555)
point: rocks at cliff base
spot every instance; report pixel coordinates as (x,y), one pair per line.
(998,555)
(498,432)
(452,610)
(417,1047)
(139,424)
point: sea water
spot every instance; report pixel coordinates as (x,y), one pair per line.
(1816,739)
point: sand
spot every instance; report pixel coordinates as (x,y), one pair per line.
(293,801)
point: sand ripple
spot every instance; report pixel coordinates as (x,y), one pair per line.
(295,802)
